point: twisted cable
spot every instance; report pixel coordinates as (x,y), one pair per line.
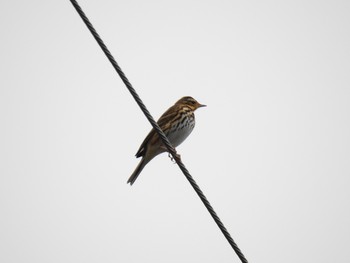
(154,124)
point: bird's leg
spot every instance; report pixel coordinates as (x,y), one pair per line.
(171,157)
(177,157)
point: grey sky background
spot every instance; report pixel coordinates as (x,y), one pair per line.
(271,150)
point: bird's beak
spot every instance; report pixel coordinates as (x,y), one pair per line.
(201,105)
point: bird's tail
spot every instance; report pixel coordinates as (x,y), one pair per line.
(137,171)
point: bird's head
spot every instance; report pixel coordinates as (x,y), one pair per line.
(189,102)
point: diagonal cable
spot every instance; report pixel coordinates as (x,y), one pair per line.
(159,131)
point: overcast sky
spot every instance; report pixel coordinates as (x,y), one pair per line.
(271,151)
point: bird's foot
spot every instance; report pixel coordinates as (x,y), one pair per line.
(177,157)
(171,158)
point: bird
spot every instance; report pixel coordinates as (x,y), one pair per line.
(177,123)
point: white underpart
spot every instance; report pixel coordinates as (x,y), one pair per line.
(177,135)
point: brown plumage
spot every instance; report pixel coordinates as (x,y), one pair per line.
(177,123)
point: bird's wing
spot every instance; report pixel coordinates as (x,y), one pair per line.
(164,123)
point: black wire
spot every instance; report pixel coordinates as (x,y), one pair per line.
(160,132)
